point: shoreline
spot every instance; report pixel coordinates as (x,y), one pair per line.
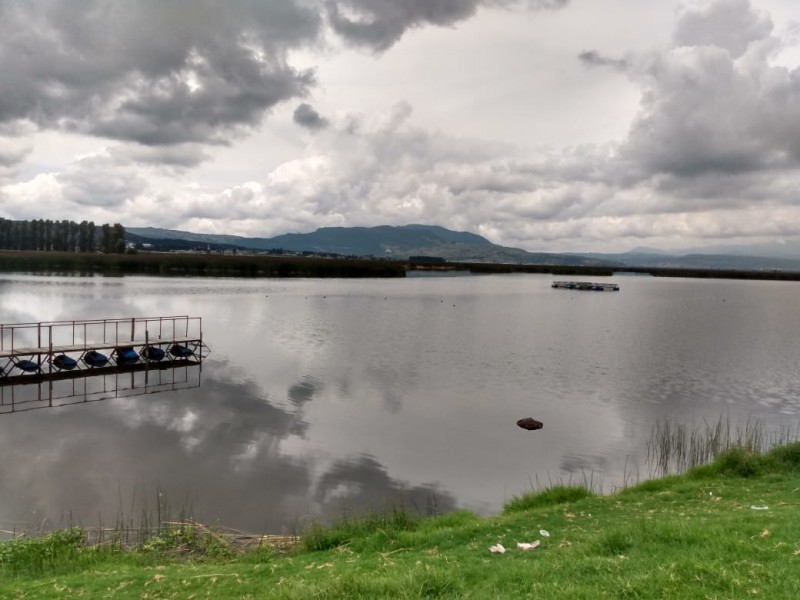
(268,266)
(724,529)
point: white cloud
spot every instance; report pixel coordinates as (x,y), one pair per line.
(692,135)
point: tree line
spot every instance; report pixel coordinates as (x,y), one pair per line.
(63,236)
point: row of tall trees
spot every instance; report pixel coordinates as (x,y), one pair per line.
(65,236)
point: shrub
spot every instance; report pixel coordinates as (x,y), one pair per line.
(34,555)
(787,456)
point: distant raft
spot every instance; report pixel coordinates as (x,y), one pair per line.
(530,424)
(586,286)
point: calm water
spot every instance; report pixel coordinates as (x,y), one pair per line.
(320,396)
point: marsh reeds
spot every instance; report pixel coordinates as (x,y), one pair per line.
(677,447)
(157,533)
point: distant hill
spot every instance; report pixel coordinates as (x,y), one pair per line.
(732,262)
(383,241)
(456,246)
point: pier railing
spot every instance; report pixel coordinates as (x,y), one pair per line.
(65,349)
(70,336)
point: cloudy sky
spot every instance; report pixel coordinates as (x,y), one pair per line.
(554,125)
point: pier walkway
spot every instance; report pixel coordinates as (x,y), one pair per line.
(31,352)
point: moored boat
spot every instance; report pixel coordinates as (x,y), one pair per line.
(153,353)
(181,351)
(93,358)
(62,361)
(125,355)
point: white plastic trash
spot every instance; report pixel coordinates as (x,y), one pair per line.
(527,546)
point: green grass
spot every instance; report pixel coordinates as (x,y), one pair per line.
(558,494)
(702,534)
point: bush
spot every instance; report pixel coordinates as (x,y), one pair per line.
(787,457)
(738,461)
(58,549)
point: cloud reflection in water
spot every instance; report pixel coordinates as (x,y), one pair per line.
(217,448)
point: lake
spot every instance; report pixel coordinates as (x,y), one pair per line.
(328,396)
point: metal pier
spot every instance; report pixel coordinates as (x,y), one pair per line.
(93,359)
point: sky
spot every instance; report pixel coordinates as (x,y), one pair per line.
(547,125)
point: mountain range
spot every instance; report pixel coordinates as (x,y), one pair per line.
(401,242)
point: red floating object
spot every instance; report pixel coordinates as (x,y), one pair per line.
(530,424)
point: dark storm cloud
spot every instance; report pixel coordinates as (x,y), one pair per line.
(378,24)
(150,71)
(590,58)
(306,115)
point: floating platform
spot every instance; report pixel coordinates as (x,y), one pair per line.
(35,352)
(586,286)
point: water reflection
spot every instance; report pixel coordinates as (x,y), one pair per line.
(304,390)
(362,484)
(57,389)
(222,448)
(323,396)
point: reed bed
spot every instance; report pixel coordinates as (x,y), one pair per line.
(675,448)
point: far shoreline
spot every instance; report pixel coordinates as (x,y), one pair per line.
(173,264)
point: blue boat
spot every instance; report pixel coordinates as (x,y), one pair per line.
(126,355)
(28,366)
(62,361)
(93,358)
(181,351)
(153,353)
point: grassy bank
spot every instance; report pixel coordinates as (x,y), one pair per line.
(729,529)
